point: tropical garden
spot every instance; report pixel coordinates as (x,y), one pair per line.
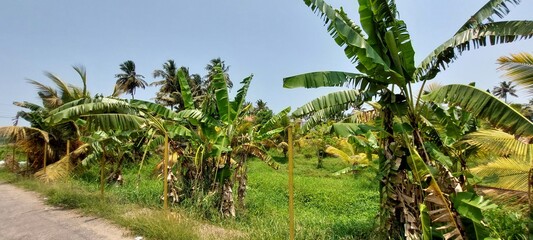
(393,156)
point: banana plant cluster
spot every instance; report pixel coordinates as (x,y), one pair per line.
(199,143)
(422,196)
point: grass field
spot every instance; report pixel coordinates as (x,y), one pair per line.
(326,206)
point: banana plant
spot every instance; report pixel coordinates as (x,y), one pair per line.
(381,50)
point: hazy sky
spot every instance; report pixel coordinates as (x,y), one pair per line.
(271,39)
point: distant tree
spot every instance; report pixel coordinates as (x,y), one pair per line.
(262,112)
(129,80)
(261,105)
(211,71)
(169,93)
(503,89)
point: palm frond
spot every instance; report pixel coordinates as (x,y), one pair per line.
(484,105)
(519,69)
(511,198)
(511,173)
(64,90)
(60,169)
(83,75)
(496,142)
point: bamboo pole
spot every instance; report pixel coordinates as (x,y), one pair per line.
(291,185)
(44,158)
(529,184)
(165,174)
(68,156)
(102,170)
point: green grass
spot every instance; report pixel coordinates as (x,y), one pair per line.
(326,206)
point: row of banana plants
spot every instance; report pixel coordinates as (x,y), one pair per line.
(204,146)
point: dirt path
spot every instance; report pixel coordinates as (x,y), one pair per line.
(23,215)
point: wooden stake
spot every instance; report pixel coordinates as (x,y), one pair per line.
(68,156)
(102,170)
(291,185)
(165,174)
(44,159)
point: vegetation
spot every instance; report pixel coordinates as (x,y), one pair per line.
(424,189)
(423,162)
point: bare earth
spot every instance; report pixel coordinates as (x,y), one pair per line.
(23,215)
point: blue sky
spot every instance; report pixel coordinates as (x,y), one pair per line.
(271,39)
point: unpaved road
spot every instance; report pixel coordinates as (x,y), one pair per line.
(23,215)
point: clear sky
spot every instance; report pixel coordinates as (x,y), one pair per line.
(271,39)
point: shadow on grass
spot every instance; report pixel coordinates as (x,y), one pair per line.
(280,159)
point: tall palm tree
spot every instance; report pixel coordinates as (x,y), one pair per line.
(504,89)
(168,94)
(129,80)
(382,52)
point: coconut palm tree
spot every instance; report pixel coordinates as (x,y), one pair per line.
(169,93)
(382,52)
(504,89)
(41,138)
(129,80)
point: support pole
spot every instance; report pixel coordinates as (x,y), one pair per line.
(291,185)
(165,174)
(45,155)
(68,156)
(102,171)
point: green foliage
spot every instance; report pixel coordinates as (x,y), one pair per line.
(507,224)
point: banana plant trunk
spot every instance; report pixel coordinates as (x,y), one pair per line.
(242,179)
(399,196)
(227,206)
